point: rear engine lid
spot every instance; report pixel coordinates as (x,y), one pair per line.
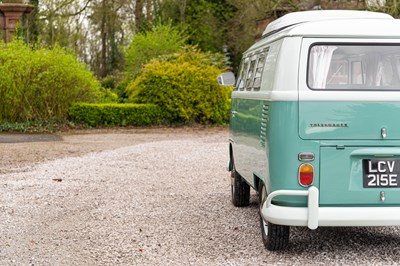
(360,176)
(349,120)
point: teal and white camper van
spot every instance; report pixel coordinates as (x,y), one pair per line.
(315,123)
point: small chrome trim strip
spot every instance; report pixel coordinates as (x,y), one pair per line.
(306,156)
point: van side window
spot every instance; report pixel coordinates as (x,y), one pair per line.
(259,70)
(354,67)
(250,73)
(244,66)
(271,64)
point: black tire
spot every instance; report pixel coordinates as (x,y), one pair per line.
(240,190)
(274,236)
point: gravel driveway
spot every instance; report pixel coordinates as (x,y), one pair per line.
(150,197)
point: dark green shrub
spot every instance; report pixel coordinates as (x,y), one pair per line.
(114,83)
(41,84)
(116,114)
(185,86)
(36,126)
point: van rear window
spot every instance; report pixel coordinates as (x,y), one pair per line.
(354,67)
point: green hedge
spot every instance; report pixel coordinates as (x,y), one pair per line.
(117,114)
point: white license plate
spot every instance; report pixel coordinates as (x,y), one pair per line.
(381,173)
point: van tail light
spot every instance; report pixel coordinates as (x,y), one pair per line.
(306,174)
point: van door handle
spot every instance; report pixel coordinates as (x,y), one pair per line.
(234,113)
(383,133)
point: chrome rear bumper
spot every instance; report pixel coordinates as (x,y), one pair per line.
(314,216)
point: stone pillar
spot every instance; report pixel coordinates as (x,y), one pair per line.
(11,13)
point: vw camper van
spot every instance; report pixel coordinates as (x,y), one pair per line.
(315,123)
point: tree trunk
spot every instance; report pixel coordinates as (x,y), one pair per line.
(149,10)
(33,27)
(138,15)
(182,10)
(103,60)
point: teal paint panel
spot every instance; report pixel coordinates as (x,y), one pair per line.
(248,151)
(341,177)
(266,144)
(349,120)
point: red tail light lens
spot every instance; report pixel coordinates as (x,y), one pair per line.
(306,174)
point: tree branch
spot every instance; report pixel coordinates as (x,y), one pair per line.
(79,11)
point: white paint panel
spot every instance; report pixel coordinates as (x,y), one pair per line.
(269,96)
(353,96)
(320,15)
(353,28)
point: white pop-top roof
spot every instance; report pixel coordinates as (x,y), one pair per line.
(320,15)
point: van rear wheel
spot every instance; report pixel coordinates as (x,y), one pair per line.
(240,190)
(274,236)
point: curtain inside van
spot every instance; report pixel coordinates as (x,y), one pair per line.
(320,61)
(373,68)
